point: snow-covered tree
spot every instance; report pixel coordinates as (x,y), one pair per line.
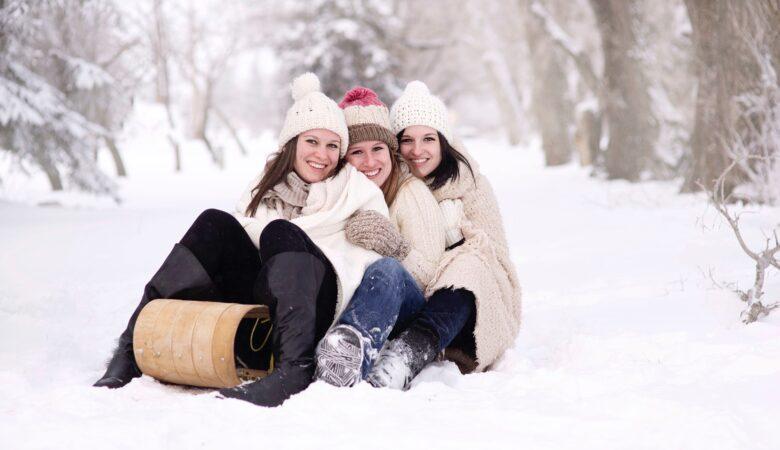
(345,42)
(88,45)
(39,122)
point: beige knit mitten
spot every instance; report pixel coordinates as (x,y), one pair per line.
(451,211)
(373,231)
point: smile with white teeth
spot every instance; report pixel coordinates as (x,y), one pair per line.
(372,173)
(419,160)
(317,166)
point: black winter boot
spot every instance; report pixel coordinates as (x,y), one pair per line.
(403,358)
(289,283)
(181,275)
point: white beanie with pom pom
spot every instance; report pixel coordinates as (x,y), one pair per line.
(312,109)
(417,106)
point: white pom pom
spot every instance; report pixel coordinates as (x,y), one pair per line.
(305,84)
(417,88)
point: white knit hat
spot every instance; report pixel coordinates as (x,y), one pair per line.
(312,109)
(417,106)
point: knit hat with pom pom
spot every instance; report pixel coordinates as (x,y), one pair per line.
(417,106)
(312,109)
(367,117)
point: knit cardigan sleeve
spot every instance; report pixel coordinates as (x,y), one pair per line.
(481,208)
(417,215)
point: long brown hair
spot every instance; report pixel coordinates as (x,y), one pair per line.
(393,183)
(278,165)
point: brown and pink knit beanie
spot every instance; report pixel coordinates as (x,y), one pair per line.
(367,117)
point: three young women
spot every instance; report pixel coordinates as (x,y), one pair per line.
(309,233)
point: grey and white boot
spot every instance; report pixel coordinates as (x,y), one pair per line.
(340,357)
(403,358)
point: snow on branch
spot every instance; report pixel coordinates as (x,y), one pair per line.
(84,75)
(41,104)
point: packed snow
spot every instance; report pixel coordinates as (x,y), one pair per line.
(626,341)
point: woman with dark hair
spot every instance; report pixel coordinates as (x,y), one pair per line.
(411,241)
(473,307)
(284,247)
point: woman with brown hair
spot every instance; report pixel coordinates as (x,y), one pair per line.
(284,247)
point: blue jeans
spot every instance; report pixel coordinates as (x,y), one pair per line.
(387,297)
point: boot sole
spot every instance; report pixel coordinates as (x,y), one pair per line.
(340,357)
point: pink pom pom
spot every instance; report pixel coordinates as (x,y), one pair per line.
(360,96)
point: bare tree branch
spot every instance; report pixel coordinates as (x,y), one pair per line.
(763,260)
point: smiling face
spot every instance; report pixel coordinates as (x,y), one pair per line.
(372,158)
(316,154)
(421,149)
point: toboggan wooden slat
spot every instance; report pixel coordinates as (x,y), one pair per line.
(192,342)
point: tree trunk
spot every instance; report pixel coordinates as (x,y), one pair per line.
(550,105)
(162,78)
(725,67)
(160,50)
(117,157)
(503,90)
(201,107)
(497,70)
(587,136)
(55,180)
(628,110)
(232,130)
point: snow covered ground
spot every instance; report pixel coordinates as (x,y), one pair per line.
(625,344)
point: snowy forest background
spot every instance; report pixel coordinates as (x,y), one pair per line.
(632,145)
(636,89)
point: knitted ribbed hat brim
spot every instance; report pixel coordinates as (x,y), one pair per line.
(372,132)
(312,110)
(417,106)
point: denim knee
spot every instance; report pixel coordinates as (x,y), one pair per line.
(384,271)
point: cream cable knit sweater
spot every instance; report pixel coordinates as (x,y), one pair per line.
(328,206)
(481,265)
(416,214)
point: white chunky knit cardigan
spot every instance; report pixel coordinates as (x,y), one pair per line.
(483,266)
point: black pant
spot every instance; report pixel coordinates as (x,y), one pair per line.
(451,315)
(233,262)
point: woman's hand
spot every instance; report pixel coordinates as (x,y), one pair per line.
(373,231)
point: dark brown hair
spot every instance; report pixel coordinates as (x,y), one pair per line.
(448,169)
(277,167)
